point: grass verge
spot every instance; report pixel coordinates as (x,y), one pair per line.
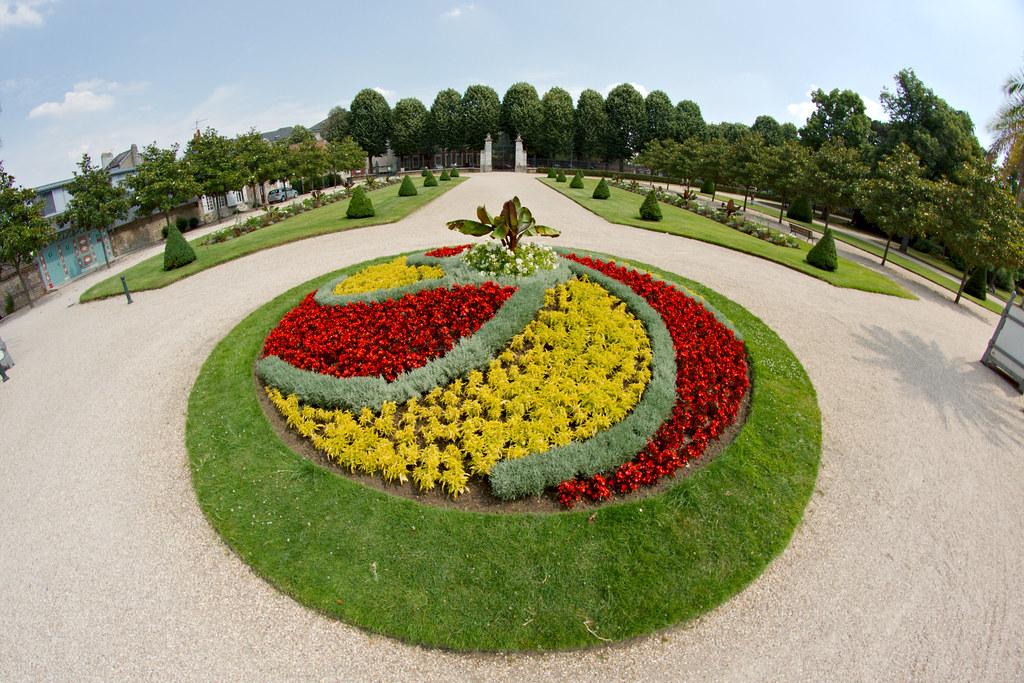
(149,274)
(472,581)
(895,258)
(623,207)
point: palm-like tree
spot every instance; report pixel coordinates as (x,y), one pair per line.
(1008,129)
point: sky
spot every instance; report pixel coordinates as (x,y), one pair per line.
(89,76)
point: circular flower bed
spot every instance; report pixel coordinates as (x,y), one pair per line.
(491,401)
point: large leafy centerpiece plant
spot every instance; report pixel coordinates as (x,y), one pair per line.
(509,256)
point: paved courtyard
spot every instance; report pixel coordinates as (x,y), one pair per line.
(909,562)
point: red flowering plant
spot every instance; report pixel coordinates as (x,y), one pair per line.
(711,381)
(444,252)
(382,338)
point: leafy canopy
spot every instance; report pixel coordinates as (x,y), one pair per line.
(162,181)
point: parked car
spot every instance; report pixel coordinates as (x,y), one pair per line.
(281,194)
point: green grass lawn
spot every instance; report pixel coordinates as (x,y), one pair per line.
(149,274)
(896,258)
(623,208)
(472,581)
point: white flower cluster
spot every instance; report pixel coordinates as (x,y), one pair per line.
(494,258)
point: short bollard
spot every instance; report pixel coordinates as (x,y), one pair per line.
(127,294)
(6,362)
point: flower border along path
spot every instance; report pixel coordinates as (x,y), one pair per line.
(149,274)
(472,581)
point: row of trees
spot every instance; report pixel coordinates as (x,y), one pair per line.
(595,128)
(920,174)
(211,165)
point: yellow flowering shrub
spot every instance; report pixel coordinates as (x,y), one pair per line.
(578,368)
(388,275)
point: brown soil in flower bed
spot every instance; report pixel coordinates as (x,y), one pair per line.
(477,497)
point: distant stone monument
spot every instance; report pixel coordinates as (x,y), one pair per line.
(520,155)
(485,156)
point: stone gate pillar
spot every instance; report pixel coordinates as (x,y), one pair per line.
(485,156)
(520,155)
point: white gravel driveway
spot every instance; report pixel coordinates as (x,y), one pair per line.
(909,563)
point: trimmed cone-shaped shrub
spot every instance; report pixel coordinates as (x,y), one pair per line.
(823,254)
(602,191)
(408,188)
(577,181)
(430,180)
(977,284)
(177,252)
(800,210)
(360,205)
(425,172)
(444,175)
(649,210)
(708,187)
(551,173)
(454,173)
(560,178)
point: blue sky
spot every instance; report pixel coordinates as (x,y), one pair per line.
(97,75)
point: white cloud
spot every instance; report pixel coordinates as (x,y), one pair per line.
(875,110)
(638,87)
(21,14)
(458,11)
(799,111)
(85,97)
(389,95)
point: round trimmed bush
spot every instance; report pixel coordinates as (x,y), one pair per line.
(800,210)
(177,252)
(552,173)
(444,175)
(823,254)
(577,181)
(649,210)
(408,188)
(360,205)
(708,187)
(602,191)
(430,180)
(560,178)
(454,173)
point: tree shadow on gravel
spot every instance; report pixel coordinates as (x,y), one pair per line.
(966,391)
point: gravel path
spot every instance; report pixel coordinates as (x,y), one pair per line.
(909,563)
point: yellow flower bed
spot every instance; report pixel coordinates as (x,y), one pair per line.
(386,276)
(579,367)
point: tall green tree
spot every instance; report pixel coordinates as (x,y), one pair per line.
(480,110)
(745,160)
(1007,130)
(557,124)
(409,127)
(979,221)
(660,116)
(336,125)
(710,157)
(769,130)
(300,134)
(257,162)
(689,122)
(786,169)
(898,198)
(308,161)
(96,203)
(838,116)
(789,132)
(942,137)
(162,182)
(522,114)
(627,122)
(211,158)
(23,230)
(591,125)
(445,123)
(370,122)
(346,155)
(834,174)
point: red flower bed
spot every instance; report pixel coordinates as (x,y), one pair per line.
(710,384)
(383,338)
(442,252)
